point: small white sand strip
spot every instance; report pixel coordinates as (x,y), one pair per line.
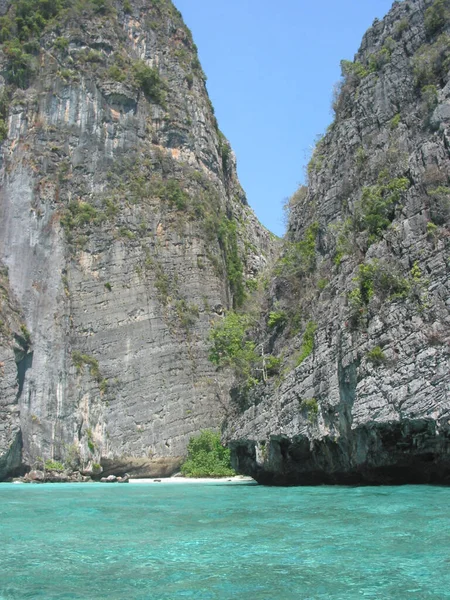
(221,480)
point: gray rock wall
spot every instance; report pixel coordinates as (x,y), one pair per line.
(371,402)
(119,299)
(15,356)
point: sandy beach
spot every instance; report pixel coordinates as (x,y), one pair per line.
(219,480)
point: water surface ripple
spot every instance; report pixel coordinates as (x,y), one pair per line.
(163,542)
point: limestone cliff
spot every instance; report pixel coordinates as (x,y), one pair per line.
(358,309)
(124,232)
(16,356)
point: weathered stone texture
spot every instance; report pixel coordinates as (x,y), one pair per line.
(376,421)
(14,357)
(119,304)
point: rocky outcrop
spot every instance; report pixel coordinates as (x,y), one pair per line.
(16,356)
(361,295)
(125,233)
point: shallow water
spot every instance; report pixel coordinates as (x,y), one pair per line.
(92,541)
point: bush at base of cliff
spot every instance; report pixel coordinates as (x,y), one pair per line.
(207,457)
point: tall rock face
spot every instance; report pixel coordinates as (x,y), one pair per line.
(358,308)
(124,233)
(16,356)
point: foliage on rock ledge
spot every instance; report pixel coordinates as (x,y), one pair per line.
(232,346)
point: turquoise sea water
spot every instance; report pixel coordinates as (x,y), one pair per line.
(92,541)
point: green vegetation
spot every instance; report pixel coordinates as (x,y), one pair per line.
(299,257)
(312,407)
(395,121)
(139,180)
(298,197)
(227,235)
(353,70)
(378,59)
(187,313)
(431,230)
(22,27)
(376,209)
(91,56)
(224,151)
(126,233)
(78,214)
(4,109)
(431,62)
(61,43)
(79,360)
(26,335)
(316,162)
(277,319)
(343,231)
(251,285)
(116,73)
(72,458)
(437,16)
(162,284)
(29,18)
(440,206)
(149,81)
(377,278)
(108,286)
(90,440)
(231,346)
(53,465)
(360,158)
(400,27)
(20,30)
(272,365)
(307,342)
(171,192)
(376,356)
(20,64)
(207,457)
(429,95)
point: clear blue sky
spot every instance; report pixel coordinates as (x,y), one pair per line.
(271,67)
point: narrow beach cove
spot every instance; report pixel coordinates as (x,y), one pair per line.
(216,541)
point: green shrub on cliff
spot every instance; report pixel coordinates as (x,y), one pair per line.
(431,61)
(307,342)
(207,457)
(376,356)
(436,16)
(376,209)
(19,66)
(299,258)
(53,465)
(277,319)
(227,235)
(353,70)
(376,278)
(231,346)
(79,360)
(149,81)
(312,408)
